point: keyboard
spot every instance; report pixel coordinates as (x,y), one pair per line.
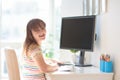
(66,68)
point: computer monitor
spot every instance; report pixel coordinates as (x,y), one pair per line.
(78,33)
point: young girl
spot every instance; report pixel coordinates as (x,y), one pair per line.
(34,65)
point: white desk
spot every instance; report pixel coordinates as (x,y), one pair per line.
(81,73)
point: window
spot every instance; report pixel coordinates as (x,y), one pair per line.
(15,16)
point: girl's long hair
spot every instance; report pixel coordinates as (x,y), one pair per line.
(33,24)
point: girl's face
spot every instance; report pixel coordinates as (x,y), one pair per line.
(39,34)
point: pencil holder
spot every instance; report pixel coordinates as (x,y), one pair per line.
(108,66)
(102,65)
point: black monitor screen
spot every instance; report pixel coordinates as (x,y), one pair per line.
(78,33)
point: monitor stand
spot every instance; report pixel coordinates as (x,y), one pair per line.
(81,60)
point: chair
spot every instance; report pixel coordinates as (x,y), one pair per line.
(12,64)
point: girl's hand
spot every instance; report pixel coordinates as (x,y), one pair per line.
(52,61)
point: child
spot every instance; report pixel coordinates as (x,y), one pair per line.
(34,65)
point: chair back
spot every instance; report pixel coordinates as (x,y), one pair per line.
(12,64)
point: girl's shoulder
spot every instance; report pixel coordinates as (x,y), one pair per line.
(33,46)
(34,49)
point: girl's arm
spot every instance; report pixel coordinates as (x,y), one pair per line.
(44,67)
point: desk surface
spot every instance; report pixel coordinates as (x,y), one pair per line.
(81,73)
(81,70)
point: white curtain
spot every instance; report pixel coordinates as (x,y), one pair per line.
(94,7)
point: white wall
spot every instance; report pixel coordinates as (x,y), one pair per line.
(108,29)
(109,36)
(71,8)
(111,29)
